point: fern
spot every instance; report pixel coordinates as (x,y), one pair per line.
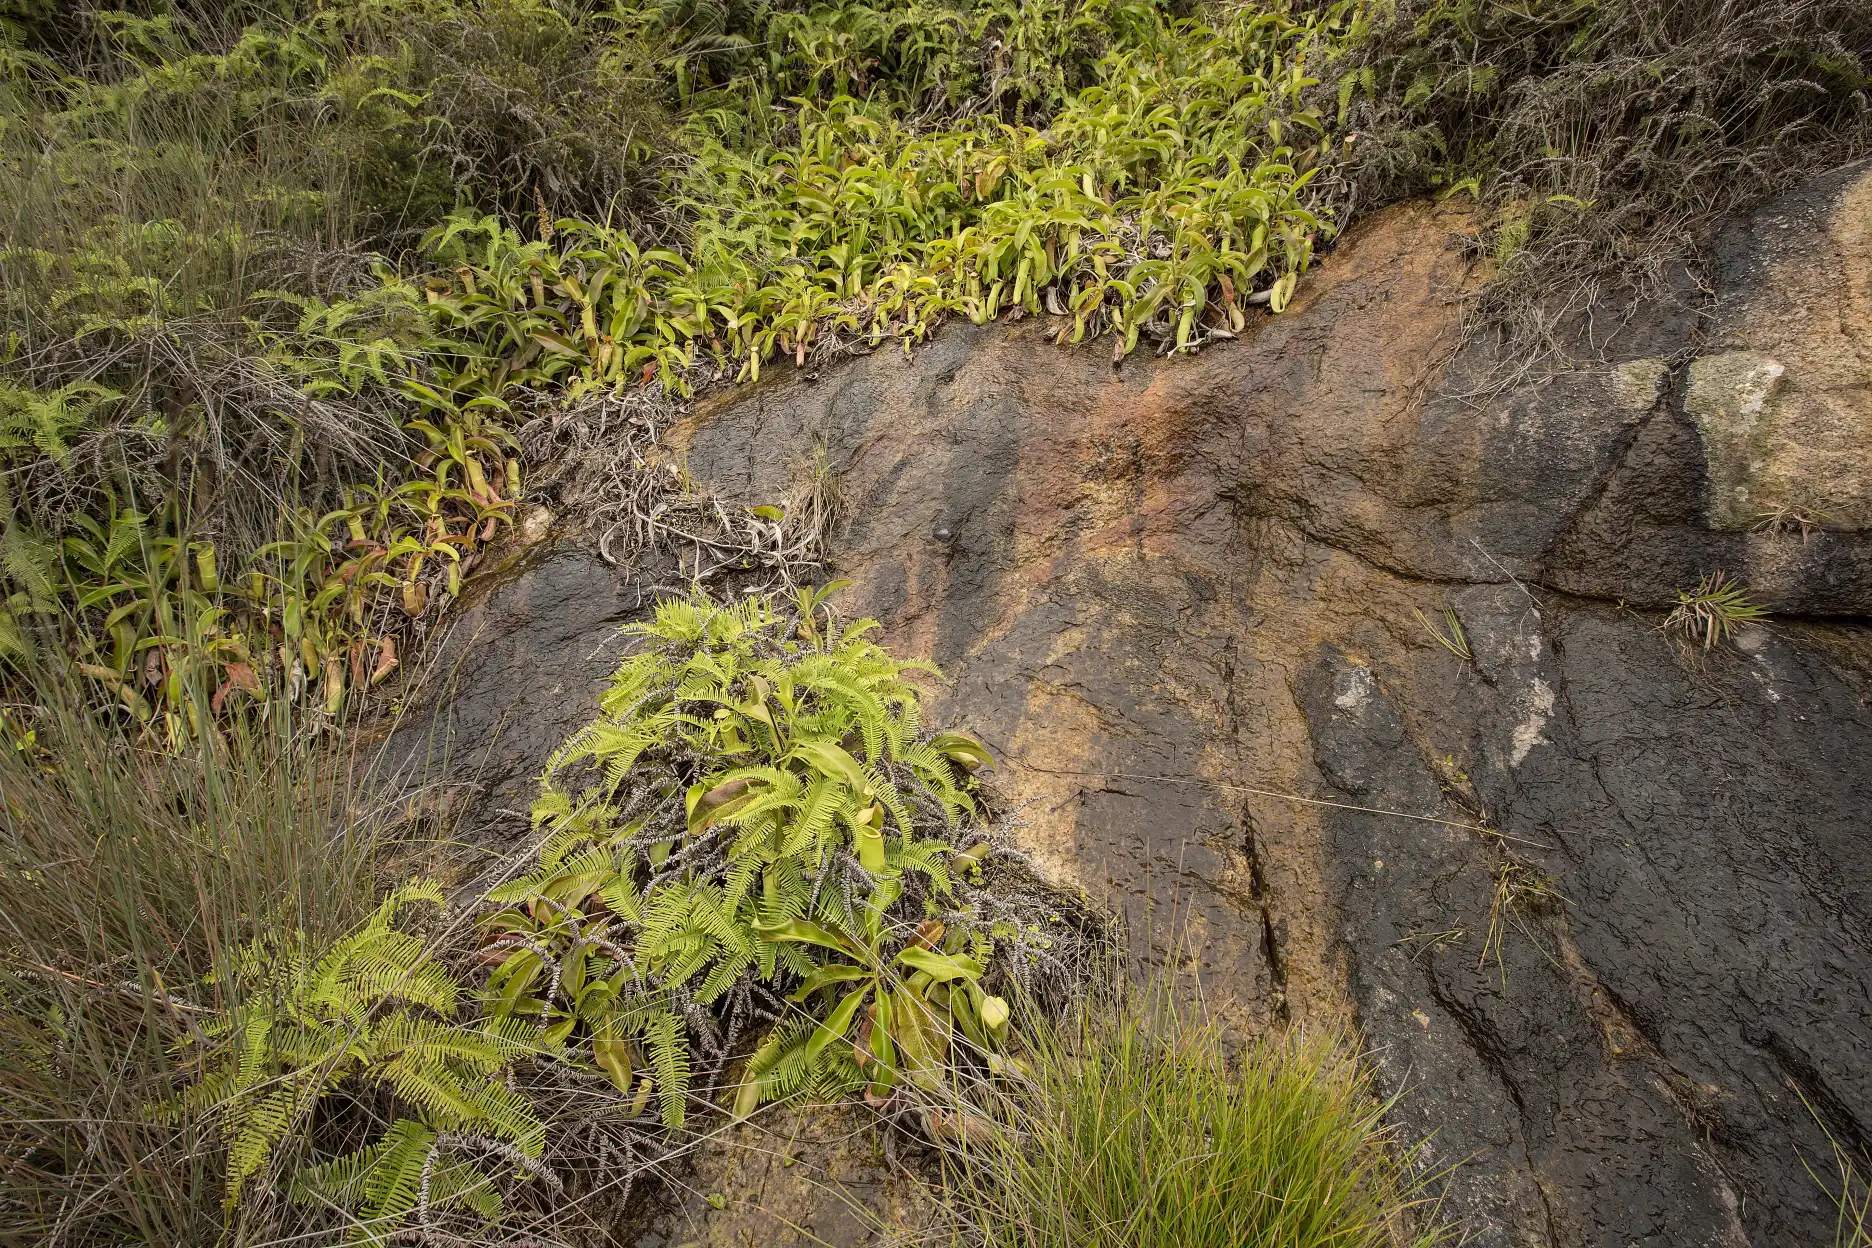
(407,1172)
(374,1008)
(807,743)
(669,1054)
(27,560)
(43,423)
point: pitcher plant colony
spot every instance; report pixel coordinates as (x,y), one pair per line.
(1156,202)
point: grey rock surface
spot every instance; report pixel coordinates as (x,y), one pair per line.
(1596,900)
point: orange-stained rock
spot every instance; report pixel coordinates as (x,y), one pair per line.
(1599,903)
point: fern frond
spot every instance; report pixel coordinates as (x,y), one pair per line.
(456,1182)
(667,1040)
(927,855)
(723,977)
(814,821)
(426,1041)
(392,1184)
(436,1090)
(623,898)
(264,1122)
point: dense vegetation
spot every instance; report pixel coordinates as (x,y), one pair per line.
(275,314)
(757,874)
(289,290)
(282,283)
(723,861)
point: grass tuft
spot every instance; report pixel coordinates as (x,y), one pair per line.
(1143,1128)
(1519,891)
(1450,636)
(129,877)
(1712,611)
(1854,1201)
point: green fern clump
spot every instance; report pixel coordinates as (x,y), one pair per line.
(758,787)
(32,423)
(375,1010)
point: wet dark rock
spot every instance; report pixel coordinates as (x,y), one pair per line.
(1597,901)
(516,672)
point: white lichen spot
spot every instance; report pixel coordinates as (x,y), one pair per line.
(535,526)
(1536,709)
(1636,384)
(1732,397)
(1531,637)
(1353,689)
(1753,641)
(1755,385)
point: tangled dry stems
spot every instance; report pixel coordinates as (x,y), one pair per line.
(603,461)
(1608,141)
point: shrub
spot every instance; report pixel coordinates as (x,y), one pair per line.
(756,834)
(761,791)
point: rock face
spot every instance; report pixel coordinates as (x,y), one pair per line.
(1783,396)
(1598,902)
